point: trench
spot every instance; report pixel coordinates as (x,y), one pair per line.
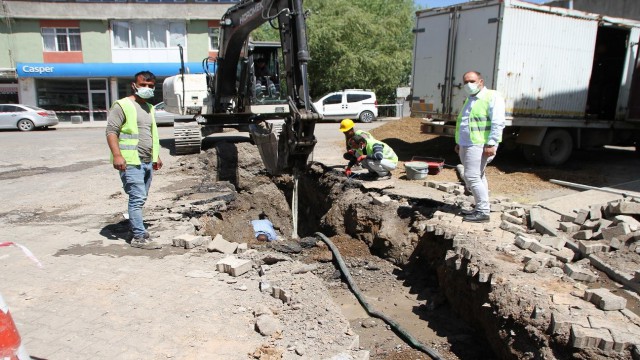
(420,272)
(450,307)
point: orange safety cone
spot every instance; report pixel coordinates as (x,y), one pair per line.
(10,343)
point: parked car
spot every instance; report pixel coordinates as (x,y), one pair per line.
(357,104)
(164,117)
(26,117)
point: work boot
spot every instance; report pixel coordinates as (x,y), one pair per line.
(477,217)
(467,211)
(146,244)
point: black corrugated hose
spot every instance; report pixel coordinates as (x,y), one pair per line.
(354,288)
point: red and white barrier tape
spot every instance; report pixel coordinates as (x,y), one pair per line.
(24,249)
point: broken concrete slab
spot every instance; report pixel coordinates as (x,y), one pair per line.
(219,244)
(579,273)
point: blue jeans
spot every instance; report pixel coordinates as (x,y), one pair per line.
(136,182)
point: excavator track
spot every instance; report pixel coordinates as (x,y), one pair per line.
(187,137)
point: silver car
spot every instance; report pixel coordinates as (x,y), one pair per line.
(26,117)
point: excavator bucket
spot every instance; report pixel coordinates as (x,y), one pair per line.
(265,135)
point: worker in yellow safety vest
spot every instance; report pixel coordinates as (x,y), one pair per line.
(132,136)
(375,156)
(478,132)
(347,127)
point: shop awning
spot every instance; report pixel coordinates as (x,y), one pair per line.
(65,70)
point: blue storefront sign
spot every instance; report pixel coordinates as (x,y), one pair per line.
(60,70)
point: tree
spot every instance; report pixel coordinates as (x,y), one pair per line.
(358,44)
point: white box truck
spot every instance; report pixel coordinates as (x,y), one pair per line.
(570,79)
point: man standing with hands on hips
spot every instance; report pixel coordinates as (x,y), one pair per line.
(132,136)
(478,132)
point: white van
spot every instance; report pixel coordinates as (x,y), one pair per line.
(357,104)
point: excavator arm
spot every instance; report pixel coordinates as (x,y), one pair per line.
(296,141)
(230,96)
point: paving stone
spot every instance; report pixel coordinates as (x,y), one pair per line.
(188,241)
(604,299)
(542,258)
(523,242)
(517,212)
(592,247)
(555,242)
(587,338)
(537,247)
(234,266)
(590,225)
(512,219)
(567,218)
(581,217)
(630,220)
(565,255)
(561,323)
(620,231)
(569,227)
(513,228)
(579,273)
(625,207)
(595,212)
(583,235)
(604,223)
(539,224)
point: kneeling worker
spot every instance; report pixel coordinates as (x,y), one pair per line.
(374,155)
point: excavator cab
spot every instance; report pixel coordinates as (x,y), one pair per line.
(266,73)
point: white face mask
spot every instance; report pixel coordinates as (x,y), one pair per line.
(144,92)
(471,88)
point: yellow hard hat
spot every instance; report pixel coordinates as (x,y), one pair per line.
(346,125)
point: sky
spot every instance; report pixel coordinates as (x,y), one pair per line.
(439,3)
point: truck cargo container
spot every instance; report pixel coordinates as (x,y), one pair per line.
(570,79)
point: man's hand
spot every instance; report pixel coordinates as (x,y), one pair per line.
(361,157)
(119,163)
(352,152)
(347,172)
(157,165)
(490,150)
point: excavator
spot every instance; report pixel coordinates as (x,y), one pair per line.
(274,105)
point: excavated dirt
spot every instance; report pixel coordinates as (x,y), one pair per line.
(397,265)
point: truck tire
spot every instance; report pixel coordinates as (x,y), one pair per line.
(556,147)
(531,154)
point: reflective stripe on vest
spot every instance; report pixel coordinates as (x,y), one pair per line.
(128,139)
(387,152)
(479,121)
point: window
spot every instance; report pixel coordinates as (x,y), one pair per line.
(214,38)
(351,98)
(333,99)
(61,39)
(148,34)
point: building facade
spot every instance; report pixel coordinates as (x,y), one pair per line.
(77,57)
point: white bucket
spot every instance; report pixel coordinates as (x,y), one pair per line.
(416,170)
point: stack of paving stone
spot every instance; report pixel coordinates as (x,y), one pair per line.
(589,319)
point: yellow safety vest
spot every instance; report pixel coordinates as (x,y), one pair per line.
(387,151)
(128,139)
(479,121)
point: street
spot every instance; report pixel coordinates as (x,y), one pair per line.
(95,296)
